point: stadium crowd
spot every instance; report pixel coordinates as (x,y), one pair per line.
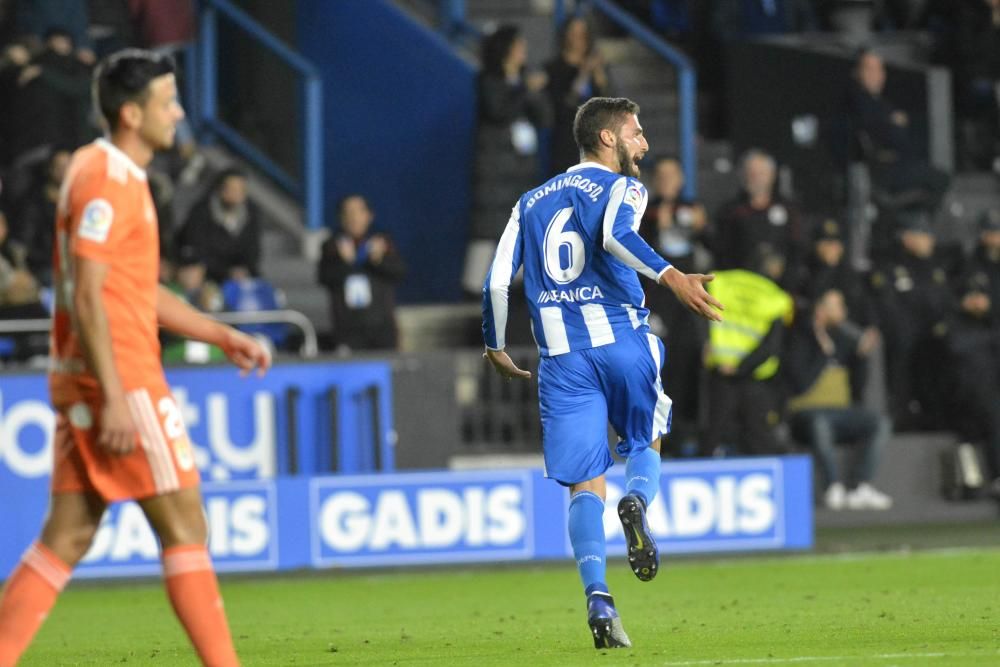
(792,362)
(791,366)
(49,49)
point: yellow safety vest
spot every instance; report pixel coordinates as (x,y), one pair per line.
(753,303)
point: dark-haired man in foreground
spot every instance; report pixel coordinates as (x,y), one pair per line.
(119,433)
(576,236)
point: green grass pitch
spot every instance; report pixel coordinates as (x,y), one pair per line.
(929,608)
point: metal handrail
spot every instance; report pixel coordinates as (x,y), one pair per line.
(453,20)
(205,105)
(686,80)
(310,344)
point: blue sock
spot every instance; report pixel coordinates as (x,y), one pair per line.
(586,534)
(642,474)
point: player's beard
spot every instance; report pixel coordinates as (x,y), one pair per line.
(626,165)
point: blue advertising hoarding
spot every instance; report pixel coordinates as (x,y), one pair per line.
(264,519)
(445,517)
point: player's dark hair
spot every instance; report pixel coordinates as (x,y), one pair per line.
(124,77)
(600,113)
(226,174)
(342,203)
(863,52)
(496,47)
(564,32)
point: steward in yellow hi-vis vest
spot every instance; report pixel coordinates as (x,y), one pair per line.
(744,398)
(753,305)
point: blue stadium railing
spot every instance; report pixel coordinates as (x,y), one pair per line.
(202,96)
(454,24)
(687,89)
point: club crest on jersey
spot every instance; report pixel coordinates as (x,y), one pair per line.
(96,221)
(579,294)
(633,197)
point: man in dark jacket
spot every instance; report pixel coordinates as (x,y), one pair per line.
(986,259)
(914,299)
(884,134)
(822,413)
(361,270)
(973,365)
(224,228)
(828,269)
(758,218)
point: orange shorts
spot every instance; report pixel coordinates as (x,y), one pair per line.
(162,461)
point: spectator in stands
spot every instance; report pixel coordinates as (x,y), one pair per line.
(743,358)
(882,131)
(225,229)
(361,269)
(51,104)
(756,218)
(822,413)
(986,258)
(34,226)
(914,299)
(110,26)
(191,281)
(8,23)
(977,75)
(13,268)
(973,371)
(675,227)
(14,58)
(513,108)
(40,17)
(187,278)
(743,19)
(575,75)
(19,299)
(162,25)
(827,269)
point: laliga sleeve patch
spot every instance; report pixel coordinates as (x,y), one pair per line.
(95,224)
(633,197)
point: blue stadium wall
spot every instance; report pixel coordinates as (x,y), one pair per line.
(399,124)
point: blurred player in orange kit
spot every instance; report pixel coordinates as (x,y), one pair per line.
(119,434)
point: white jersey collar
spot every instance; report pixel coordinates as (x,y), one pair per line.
(119,154)
(589,165)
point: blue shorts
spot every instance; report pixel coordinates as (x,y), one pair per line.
(580,392)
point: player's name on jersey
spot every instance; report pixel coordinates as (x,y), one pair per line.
(589,187)
(584,293)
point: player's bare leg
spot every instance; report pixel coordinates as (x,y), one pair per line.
(179,521)
(586,533)
(642,473)
(44,570)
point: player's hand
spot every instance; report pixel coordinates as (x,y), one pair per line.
(29,74)
(345,247)
(504,365)
(689,288)
(377,247)
(536,81)
(246,352)
(117,435)
(868,342)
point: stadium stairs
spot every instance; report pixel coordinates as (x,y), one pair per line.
(290,251)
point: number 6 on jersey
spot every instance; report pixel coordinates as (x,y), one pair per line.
(561,247)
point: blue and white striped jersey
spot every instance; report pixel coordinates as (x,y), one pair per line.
(576,237)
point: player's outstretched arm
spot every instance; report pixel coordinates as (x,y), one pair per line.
(117,434)
(689,288)
(504,365)
(177,316)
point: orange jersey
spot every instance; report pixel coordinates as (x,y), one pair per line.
(106,214)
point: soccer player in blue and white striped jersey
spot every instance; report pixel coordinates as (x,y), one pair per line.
(576,238)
